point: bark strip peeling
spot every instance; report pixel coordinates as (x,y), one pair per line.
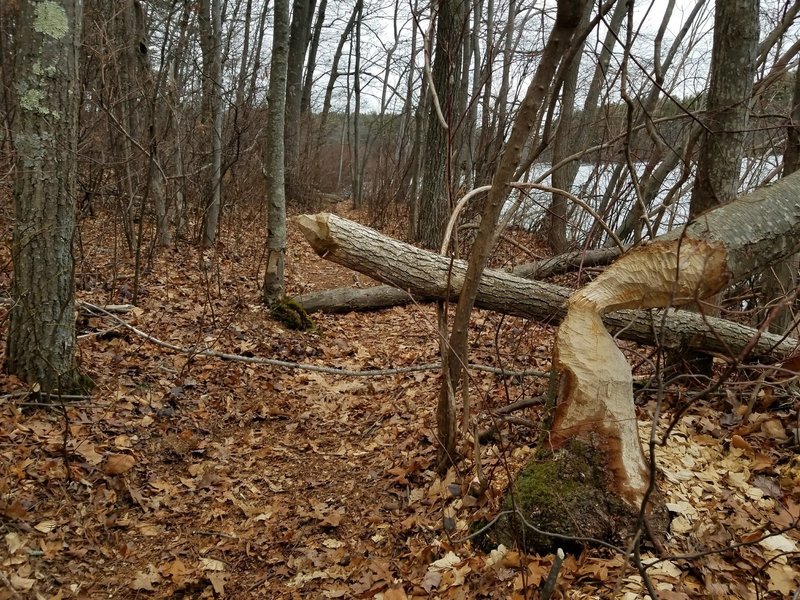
(596,386)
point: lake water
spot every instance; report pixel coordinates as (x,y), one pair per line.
(592,186)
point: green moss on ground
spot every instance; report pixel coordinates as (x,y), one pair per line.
(563,492)
(290,313)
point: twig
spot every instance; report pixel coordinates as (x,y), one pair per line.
(83,336)
(215,533)
(81,305)
(551,534)
(722,549)
(518,421)
(507,239)
(485,528)
(519,405)
(552,578)
(522,185)
(426,53)
(25,394)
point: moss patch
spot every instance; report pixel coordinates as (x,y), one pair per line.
(566,493)
(290,313)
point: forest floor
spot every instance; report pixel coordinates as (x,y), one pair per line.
(185,476)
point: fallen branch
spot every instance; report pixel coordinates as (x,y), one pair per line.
(348,299)
(563,263)
(86,307)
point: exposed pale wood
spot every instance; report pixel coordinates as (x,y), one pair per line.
(595,398)
(425,275)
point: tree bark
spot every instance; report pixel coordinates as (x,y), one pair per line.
(274,159)
(41,333)
(302,12)
(356,157)
(563,263)
(257,52)
(425,275)
(175,87)
(733,64)
(210,22)
(781,279)
(563,146)
(346,299)
(334,75)
(434,196)
(791,156)
(305,101)
(733,67)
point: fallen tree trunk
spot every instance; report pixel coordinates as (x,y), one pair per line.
(424,275)
(345,299)
(595,429)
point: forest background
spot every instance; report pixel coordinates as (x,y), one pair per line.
(171,140)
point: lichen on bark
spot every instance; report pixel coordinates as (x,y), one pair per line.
(31,100)
(49,18)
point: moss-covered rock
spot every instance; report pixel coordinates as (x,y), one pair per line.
(290,313)
(566,492)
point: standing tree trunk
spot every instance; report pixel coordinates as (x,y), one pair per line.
(274,168)
(791,156)
(484,139)
(781,279)
(210,20)
(311,65)
(244,59)
(255,78)
(334,75)
(733,68)
(568,18)
(175,87)
(471,119)
(563,146)
(41,333)
(302,12)
(434,199)
(153,130)
(356,171)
